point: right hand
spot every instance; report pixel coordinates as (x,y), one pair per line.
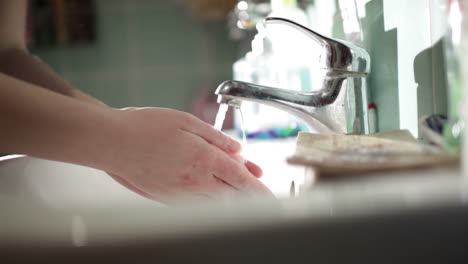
(166,154)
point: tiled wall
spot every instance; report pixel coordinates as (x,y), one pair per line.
(151,53)
(148,53)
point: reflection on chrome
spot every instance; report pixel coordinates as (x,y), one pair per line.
(339,106)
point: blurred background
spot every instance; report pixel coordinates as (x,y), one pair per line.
(175,53)
(138,53)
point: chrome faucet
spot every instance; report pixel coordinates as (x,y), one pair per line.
(339,106)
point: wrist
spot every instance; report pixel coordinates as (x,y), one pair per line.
(100,138)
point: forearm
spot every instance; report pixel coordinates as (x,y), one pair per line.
(18,63)
(12,24)
(37,122)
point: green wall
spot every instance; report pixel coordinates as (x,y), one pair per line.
(148,53)
(406,43)
(153,53)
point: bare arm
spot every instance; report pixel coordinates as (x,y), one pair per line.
(45,124)
(159,153)
(12,24)
(15,59)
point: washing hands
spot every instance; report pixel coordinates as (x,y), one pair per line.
(166,154)
(160,153)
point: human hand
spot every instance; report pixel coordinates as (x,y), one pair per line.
(165,154)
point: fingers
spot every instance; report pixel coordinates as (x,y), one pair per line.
(238,175)
(213,136)
(224,142)
(224,189)
(228,168)
(252,167)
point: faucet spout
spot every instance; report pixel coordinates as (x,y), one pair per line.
(312,108)
(338,106)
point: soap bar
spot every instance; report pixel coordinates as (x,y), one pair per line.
(336,155)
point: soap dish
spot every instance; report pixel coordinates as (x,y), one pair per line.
(342,155)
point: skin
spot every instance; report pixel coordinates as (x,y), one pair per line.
(160,153)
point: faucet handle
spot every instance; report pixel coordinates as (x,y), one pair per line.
(336,54)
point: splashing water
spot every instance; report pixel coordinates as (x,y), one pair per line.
(220,116)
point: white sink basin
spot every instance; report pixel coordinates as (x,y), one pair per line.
(58,205)
(41,195)
(53,212)
(61,185)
